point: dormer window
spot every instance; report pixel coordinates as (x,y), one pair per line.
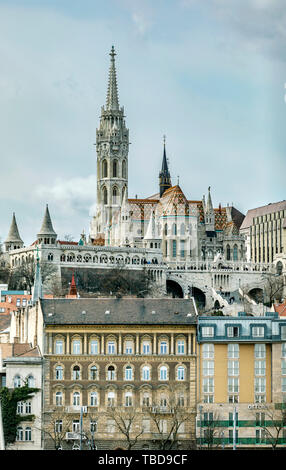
(233,331)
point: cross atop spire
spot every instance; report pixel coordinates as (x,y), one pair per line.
(112,103)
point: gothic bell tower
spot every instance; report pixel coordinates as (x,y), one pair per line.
(112,145)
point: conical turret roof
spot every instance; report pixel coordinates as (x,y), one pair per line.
(47,226)
(13,235)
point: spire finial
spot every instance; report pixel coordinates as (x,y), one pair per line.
(164,139)
(112,103)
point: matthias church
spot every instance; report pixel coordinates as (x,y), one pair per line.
(163,231)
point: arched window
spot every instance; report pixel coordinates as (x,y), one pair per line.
(114,168)
(20,434)
(17,381)
(128,399)
(93,373)
(235,253)
(76,399)
(31,381)
(59,398)
(93,399)
(76,373)
(146,373)
(50,257)
(182,229)
(181,373)
(228,253)
(174,229)
(110,399)
(146,399)
(114,195)
(104,195)
(181,346)
(28,434)
(166,229)
(128,373)
(163,347)
(124,169)
(104,169)
(111,373)
(163,373)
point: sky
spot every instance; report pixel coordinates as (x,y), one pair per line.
(210,75)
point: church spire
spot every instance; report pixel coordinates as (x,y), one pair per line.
(13,240)
(164,175)
(112,103)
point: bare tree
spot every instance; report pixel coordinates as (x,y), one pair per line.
(125,422)
(169,420)
(5,270)
(211,433)
(23,276)
(68,237)
(89,431)
(56,424)
(273,289)
(272,421)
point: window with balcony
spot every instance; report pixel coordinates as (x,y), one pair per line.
(76,399)
(59,398)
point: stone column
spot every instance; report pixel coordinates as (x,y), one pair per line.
(68,344)
(155,343)
(172,343)
(85,343)
(50,344)
(120,343)
(137,343)
(190,344)
(102,344)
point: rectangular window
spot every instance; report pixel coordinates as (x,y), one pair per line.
(75,425)
(259,385)
(258,331)
(208,399)
(111,347)
(233,385)
(283,333)
(233,368)
(163,347)
(259,367)
(146,348)
(260,419)
(181,346)
(208,331)
(208,385)
(260,351)
(233,399)
(233,331)
(174,248)
(146,425)
(283,349)
(94,346)
(208,351)
(208,368)
(128,347)
(59,347)
(76,347)
(283,385)
(233,351)
(182,250)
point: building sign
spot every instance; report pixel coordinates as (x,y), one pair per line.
(257,406)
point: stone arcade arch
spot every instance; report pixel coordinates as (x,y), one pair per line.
(256,294)
(175,289)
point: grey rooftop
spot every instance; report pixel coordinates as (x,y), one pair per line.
(122,311)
